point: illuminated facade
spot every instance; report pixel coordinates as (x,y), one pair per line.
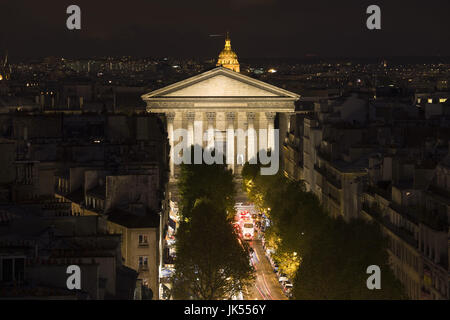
(216,104)
(227,57)
(220,101)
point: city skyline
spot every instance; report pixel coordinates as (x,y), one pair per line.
(242,150)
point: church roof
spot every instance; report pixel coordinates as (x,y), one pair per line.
(220,83)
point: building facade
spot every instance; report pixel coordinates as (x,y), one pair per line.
(214,106)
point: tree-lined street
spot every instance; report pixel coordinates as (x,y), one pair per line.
(266,285)
(324,258)
(211,263)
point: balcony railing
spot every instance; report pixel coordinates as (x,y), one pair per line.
(329,177)
(434,189)
(373,189)
(412,213)
(323,155)
(376,212)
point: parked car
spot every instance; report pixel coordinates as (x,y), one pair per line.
(238,296)
(282,278)
(287,285)
(275,268)
(268,252)
(288,292)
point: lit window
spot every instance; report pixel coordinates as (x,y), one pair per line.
(143,240)
(143,262)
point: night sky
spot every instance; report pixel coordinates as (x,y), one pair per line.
(259,28)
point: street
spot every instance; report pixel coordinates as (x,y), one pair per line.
(265,286)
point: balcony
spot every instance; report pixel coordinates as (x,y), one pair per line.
(372,210)
(411,213)
(323,155)
(375,212)
(440,192)
(336,201)
(329,177)
(385,193)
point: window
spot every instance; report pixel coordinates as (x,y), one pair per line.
(143,262)
(7,270)
(12,269)
(143,240)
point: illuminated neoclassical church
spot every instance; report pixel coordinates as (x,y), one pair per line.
(219,102)
(227,57)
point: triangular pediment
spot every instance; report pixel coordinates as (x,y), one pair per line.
(220,82)
(220,86)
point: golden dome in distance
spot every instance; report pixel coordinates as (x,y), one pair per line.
(227,57)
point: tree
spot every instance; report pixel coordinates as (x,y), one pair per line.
(334,264)
(327,258)
(214,182)
(211,263)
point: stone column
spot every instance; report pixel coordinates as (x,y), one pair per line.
(270,116)
(190,117)
(230,116)
(169,117)
(211,118)
(251,138)
(198,128)
(241,141)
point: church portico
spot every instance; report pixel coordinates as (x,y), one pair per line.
(240,134)
(237,113)
(224,110)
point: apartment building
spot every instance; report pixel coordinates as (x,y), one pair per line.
(383,161)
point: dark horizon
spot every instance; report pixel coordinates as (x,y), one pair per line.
(396,60)
(262,29)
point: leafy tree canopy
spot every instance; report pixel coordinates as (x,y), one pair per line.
(332,255)
(211,263)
